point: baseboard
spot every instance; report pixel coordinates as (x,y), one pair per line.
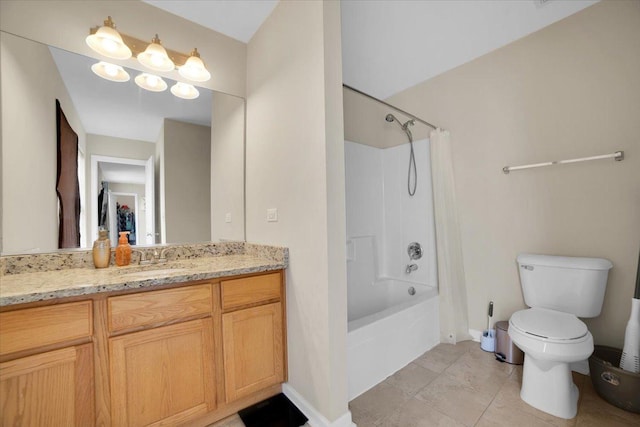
(316,419)
(475,334)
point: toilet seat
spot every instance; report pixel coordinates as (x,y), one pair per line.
(549,325)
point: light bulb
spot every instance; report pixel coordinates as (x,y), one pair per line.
(194,69)
(184,91)
(114,73)
(111,70)
(151,82)
(155,57)
(108,42)
(109,45)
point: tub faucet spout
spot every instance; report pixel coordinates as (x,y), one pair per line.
(411,267)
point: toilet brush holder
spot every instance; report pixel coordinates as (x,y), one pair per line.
(488,340)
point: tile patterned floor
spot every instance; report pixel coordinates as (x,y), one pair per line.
(461,385)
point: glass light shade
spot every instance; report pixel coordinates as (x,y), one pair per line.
(107,41)
(155,57)
(194,68)
(151,82)
(184,91)
(112,72)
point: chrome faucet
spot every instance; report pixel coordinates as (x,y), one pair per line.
(154,257)
(143,257)
(163,255)
(411,267)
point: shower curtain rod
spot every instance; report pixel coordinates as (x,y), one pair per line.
(389,105)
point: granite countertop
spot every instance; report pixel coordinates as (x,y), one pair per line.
(45,285)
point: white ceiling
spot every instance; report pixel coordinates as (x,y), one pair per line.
(391,45)
(234,18)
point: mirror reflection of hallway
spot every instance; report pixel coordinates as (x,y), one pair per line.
(121,190)
(124,212)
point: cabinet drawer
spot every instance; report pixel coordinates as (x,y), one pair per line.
(250,290)
(38,327)
(148,308)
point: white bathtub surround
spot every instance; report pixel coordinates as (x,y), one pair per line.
(388,328)
(379,208)
(454,324)
(385,340)
(316,419)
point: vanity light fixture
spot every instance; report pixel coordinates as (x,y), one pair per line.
(151,82)
(112,72)
(194,68)
(184,91)
(155,57)
(108,42)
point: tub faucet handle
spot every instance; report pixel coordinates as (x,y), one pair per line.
(411,267)
(414,250)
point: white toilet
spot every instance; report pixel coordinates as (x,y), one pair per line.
(558,290)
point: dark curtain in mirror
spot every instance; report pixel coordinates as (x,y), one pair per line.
(67,187)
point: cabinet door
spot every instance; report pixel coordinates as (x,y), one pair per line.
(163,375)
(53,388)
(253,349)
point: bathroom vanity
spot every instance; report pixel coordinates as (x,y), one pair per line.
(188,342)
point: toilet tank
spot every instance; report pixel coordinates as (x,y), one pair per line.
(569,284)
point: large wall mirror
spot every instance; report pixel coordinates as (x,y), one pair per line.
(169,170)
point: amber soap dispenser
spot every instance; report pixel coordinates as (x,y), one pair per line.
(123,251)
(102,250)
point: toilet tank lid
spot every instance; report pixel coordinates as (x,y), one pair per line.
(565,261)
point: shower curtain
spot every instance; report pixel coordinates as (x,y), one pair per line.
(454,325)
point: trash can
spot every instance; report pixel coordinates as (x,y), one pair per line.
(617,386)
(507,351)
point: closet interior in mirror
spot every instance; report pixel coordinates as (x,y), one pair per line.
(164,168)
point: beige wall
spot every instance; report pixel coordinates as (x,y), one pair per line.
(102,145)
(295,164)
(364,123)
(30,204)
(227,167)
(65,24)
(570,90)
(187,174)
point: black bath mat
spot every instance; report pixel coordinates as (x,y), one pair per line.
(277,411)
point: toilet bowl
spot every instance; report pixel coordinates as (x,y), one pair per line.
(558,290)
(551,341)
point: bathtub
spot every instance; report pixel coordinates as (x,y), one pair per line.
(388,328)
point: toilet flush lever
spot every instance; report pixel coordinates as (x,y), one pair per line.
(528,267)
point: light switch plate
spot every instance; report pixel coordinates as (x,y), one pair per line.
(227,217)
(272,215)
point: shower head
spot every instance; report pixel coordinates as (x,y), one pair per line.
(391,118)
(405,127)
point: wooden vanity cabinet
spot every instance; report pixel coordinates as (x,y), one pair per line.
(189,354)
(162,374)
(253,349)
(45,377)
(253,334)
